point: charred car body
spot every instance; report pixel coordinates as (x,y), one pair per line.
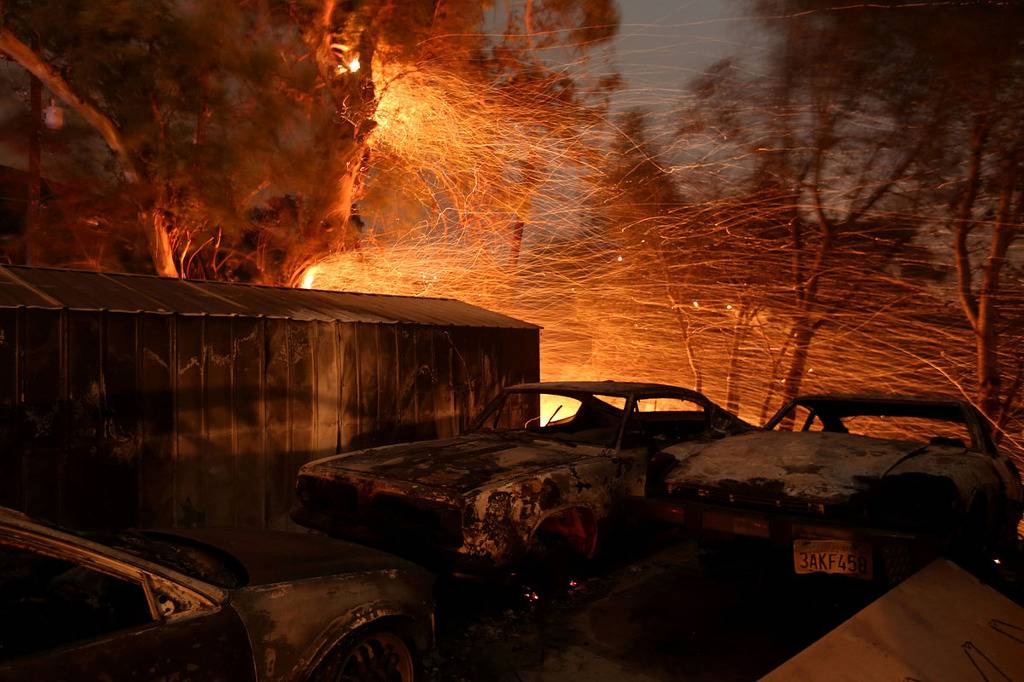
(852,483)
(547,461)
(205,604)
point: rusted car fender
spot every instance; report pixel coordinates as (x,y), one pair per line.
(282,619)
(503,520)
(972,475)
(578,524)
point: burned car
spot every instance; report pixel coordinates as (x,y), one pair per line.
(545,464)
(853,484)
(205,604)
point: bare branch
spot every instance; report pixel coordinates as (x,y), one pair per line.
(30,61)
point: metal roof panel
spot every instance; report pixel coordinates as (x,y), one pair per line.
(22,286)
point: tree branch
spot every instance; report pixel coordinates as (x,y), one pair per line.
(31,62)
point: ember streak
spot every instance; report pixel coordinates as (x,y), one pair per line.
(794,231)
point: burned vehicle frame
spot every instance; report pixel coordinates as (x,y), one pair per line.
(855,485)
(524,478)
(205,604)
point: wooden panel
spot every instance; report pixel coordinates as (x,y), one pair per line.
(349,349)
(470,355)
(426,426)
(84,485)
(11,439)
(369,398)
(387,383)
(247,409)
(510,363)
(490,370)
(444,390)
(156,459)
(190,508)
(119,489)
(407,372)
(219,470)
(276,404)
(300,381)
(328,389)
(41,386)
(460,380)
(528,353)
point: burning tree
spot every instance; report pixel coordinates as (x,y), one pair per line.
(243,132)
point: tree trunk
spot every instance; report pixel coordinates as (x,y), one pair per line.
(347,189)
(803,335)
(158,239)
(986,327)
(732,388)
(691,352)
(517,241)
(35,156)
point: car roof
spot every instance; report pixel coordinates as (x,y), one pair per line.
(878,398)
(614,388)
(947,409)
(907,406)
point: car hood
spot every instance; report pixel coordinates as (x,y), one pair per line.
(269,557)
(826,467)
(455,465)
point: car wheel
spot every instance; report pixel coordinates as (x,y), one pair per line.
(372,656)
(972,547)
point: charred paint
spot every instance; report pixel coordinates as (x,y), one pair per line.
(502,485)
(550,495)
(877,480)
(304,595)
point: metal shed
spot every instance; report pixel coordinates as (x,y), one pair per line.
(138,400)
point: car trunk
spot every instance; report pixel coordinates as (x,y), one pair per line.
(821,467)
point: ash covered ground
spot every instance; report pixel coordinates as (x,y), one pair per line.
(665,610)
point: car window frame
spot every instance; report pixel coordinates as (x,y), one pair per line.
(199,596)
(494,407)
(706,406)
(45,546)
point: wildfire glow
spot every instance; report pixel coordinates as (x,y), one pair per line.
(308,277)
(499,204)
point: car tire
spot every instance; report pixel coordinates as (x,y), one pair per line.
(975,538)
(550,563)
(374,654)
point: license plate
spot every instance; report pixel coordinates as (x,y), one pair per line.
(833,556)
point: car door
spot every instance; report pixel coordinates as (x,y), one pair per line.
(65,615)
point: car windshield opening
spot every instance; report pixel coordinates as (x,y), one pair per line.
(583,418)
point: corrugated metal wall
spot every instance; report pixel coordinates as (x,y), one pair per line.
(166,419)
